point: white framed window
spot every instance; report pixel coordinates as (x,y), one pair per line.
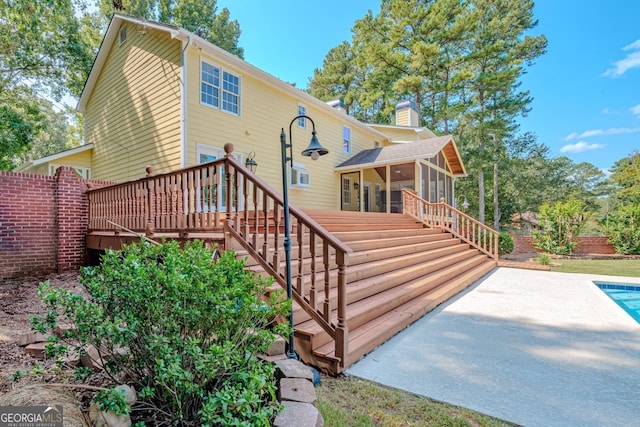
(84,173)
(346,140)
(300,176)
(302,111)
(378,191)
(207,153)
(231,93)
(219,88)
(346,191)
(123,35)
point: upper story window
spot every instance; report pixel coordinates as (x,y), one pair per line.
(212,91)
(302,111)
(346,140)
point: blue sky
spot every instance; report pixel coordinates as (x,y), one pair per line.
(586,88)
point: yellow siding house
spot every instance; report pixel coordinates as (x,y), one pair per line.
(159,95)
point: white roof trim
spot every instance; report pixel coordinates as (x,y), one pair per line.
(80,149)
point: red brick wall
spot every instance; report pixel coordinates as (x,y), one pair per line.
(586,245)
(27,224)
(43,221)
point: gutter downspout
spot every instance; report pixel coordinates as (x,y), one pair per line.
(183,103)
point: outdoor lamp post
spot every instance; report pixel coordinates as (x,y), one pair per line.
(314,150)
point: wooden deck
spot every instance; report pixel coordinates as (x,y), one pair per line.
(358,278)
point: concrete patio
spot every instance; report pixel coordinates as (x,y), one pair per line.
(534,348)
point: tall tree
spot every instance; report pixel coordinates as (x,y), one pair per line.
(45,45)
(46,50)
(201,17)
(625,175)
(498,48)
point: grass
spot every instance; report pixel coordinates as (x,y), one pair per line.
(352,402)
(610,267)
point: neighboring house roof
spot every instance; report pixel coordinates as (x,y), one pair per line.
(397,153)
(193,41)
(54,157)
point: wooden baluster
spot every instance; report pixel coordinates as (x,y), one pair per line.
(227,170)
(245,203)
(151,203)
(265,215)
(236,199)
(342,332)
(326,305)
(276,236)
(300,279)
(216,199)
(313,297)
(256,218)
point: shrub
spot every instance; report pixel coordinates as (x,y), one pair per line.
(505,243)
(543,259)
(183,329)
(561,223)
(622,226)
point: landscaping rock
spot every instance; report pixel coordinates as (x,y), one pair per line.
(291,368)
(296,414)
(277,347)
(297,390)
(30,338)
(36,350)
(92,359)
(109,418)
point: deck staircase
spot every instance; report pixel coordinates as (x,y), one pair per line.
(398,271)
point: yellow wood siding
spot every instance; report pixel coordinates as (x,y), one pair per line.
(264,111)
(133,114)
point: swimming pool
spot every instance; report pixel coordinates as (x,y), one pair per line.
(626,296)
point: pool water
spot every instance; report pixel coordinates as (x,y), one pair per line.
(626,296)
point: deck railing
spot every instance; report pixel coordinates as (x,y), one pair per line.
(225,196)
(448,218)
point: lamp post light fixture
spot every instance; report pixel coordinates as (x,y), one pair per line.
(251,163)
(314,150)
(465,203)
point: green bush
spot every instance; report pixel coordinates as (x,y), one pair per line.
(561,223)
(622,226)
(182,329)
(505,243)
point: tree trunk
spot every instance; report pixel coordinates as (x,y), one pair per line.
(481,195)
(496,206)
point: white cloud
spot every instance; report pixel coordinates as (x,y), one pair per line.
(580,147)
(635,110)
(632,60)
(596,132)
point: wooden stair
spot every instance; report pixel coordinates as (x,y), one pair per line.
(398,271)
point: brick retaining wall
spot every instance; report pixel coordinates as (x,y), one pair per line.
(586,245)
(43,221)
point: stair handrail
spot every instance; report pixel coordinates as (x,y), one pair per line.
(338,331)
(446,217)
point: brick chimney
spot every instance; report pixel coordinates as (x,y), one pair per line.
(407,114)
